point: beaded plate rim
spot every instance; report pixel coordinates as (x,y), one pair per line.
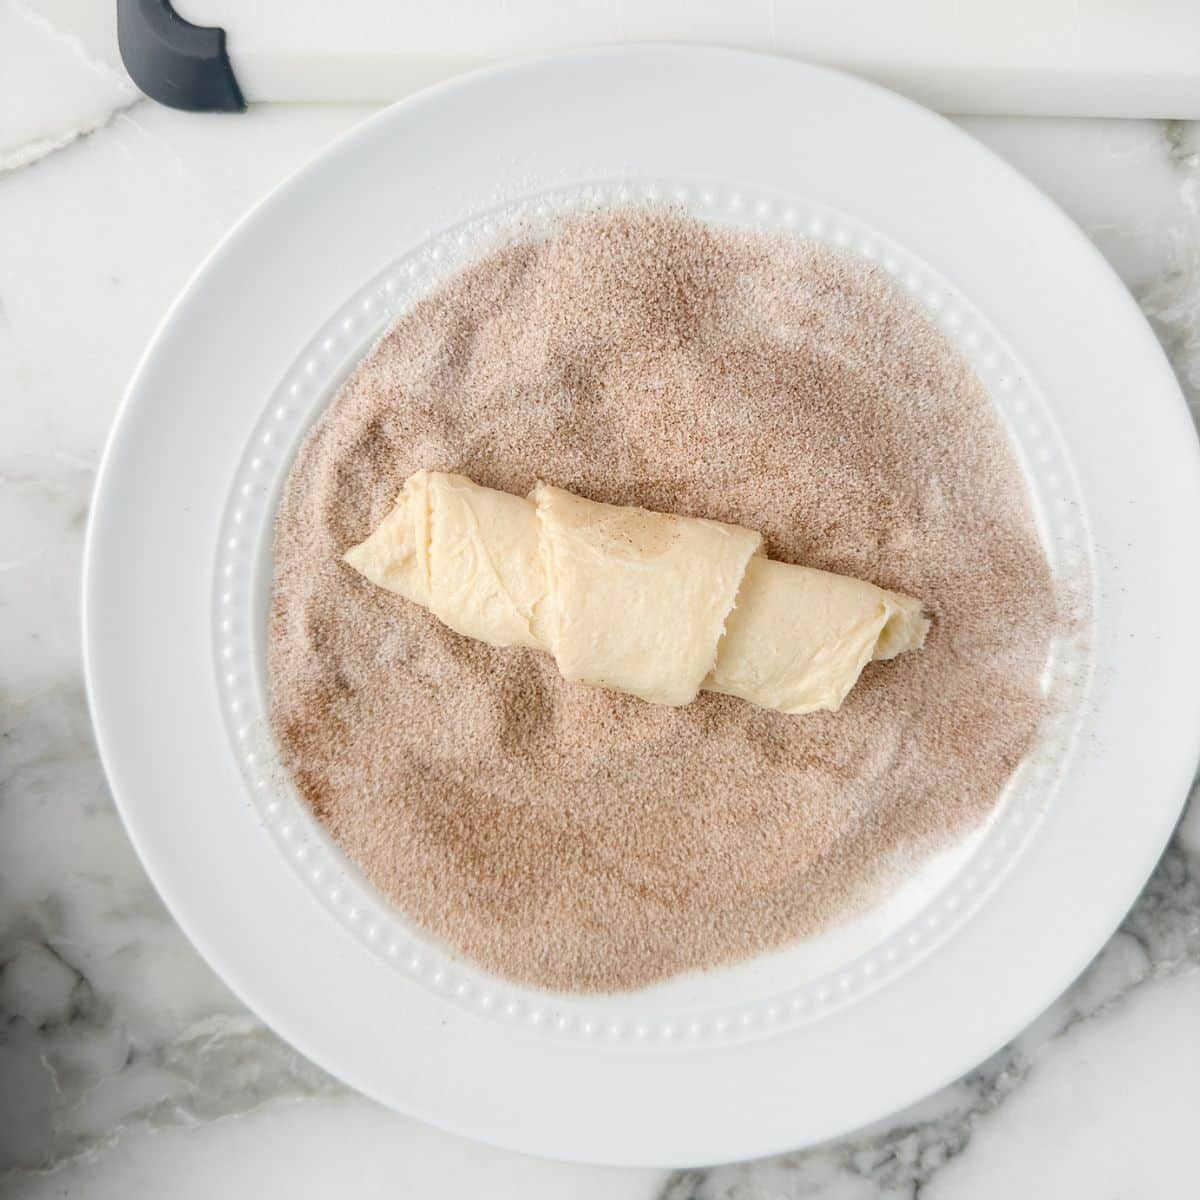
(247,520)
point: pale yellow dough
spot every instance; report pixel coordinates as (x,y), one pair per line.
(643,602)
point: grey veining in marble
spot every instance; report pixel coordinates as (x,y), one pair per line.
(124,1062)
(58,83)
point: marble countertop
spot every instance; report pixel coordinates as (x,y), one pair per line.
(126,1068)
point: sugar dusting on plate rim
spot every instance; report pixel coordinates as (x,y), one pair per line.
(241,577)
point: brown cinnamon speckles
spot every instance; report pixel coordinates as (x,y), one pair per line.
(581,839)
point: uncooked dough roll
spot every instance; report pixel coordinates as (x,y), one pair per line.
(643,602)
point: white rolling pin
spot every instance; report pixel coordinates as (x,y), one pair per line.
(1116,58)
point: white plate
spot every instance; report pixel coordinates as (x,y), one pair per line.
(712,1008)
(791,1048)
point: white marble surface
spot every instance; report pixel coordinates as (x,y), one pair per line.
(126,1068)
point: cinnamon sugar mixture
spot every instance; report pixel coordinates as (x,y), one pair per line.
(584,839)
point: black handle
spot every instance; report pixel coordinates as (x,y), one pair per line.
(174,62)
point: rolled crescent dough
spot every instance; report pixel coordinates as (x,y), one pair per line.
(643,602)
